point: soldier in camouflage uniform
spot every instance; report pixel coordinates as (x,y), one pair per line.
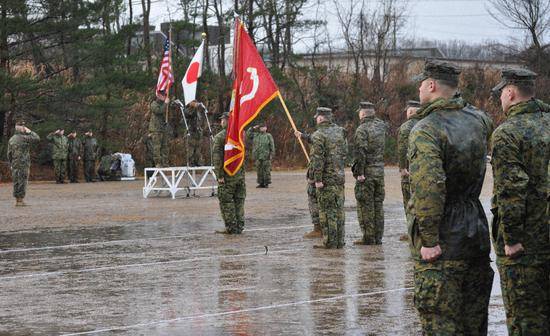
(149,159)
(448,229)
(74,157)
(91,153)
(328,157)
(311,195)
(263,150)
(368,170)
(60,152)
(195,122)
(402,148)
(520,228)
(158,129)
(231,189)
(19,159)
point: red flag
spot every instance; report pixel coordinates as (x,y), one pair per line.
(253,89)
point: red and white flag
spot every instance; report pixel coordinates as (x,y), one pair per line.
(194,71)
(166,77)
(253,89)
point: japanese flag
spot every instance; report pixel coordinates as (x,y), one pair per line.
(194,71)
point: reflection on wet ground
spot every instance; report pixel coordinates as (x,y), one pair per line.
(173,276)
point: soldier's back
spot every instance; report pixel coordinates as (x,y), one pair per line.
(331,139)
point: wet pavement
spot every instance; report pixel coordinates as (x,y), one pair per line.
(98,259)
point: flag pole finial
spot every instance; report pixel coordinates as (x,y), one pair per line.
(203,35)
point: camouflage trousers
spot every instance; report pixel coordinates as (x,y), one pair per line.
(59,169)
(89,170)
(231,196)
(331,215)
(194,148)
(263,169)
(73,170)
(20,176)
(370,208)
(525,287)
(452,296)
(313,206)
(406,191)
(160,148)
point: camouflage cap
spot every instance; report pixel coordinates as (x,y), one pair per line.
(20,122)
(366,105)
(224,115)
(323,111)
(413,103)
(438,70)
(515,76)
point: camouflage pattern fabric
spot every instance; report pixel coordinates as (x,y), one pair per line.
(75,151)
(525,284)
(196,158)
(452,296)
(195,123)
(369,145)
(263,150)
(313,206)
(19,159)
(60,150)
(447,169)
(402,149)
(90,156)
(158,130)
(328,157)
(447,155)
(232,193)
(521,150)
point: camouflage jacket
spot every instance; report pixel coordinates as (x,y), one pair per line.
(403,141)
(328,154)
(157,121)
(369,141)
(75,148)
(195,120)
(447,155)
(19,147)
(90,148)
(60,146)
(218,151)
(521,148)
(263,146)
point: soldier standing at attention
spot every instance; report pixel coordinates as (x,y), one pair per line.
(90,156)
(60,152)
(75,155)
(19,159)
(368,170)
(263,150)
(195,120)
(313,205)
(449,234)
(402,148)
(328,159)
(231,189)
(158,129)
(520,229)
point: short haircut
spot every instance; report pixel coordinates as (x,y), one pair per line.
(451,84)
(525,89)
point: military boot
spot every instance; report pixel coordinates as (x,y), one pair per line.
(316,233)
(19,202)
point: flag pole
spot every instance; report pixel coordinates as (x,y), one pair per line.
(170,63)
(293,125)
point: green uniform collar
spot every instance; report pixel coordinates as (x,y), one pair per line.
(530,106)
(454,103)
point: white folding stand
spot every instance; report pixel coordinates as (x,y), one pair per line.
(177,179)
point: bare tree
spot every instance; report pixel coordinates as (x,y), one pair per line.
(532,16)
(146,7)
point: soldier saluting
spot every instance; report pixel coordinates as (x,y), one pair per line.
(20,160)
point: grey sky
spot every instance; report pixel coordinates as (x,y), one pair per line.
(466,20)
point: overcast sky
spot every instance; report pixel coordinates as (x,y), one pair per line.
(466,20)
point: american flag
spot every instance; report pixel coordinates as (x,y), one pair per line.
(166,78)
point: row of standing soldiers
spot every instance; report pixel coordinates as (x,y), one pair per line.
(67,152)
